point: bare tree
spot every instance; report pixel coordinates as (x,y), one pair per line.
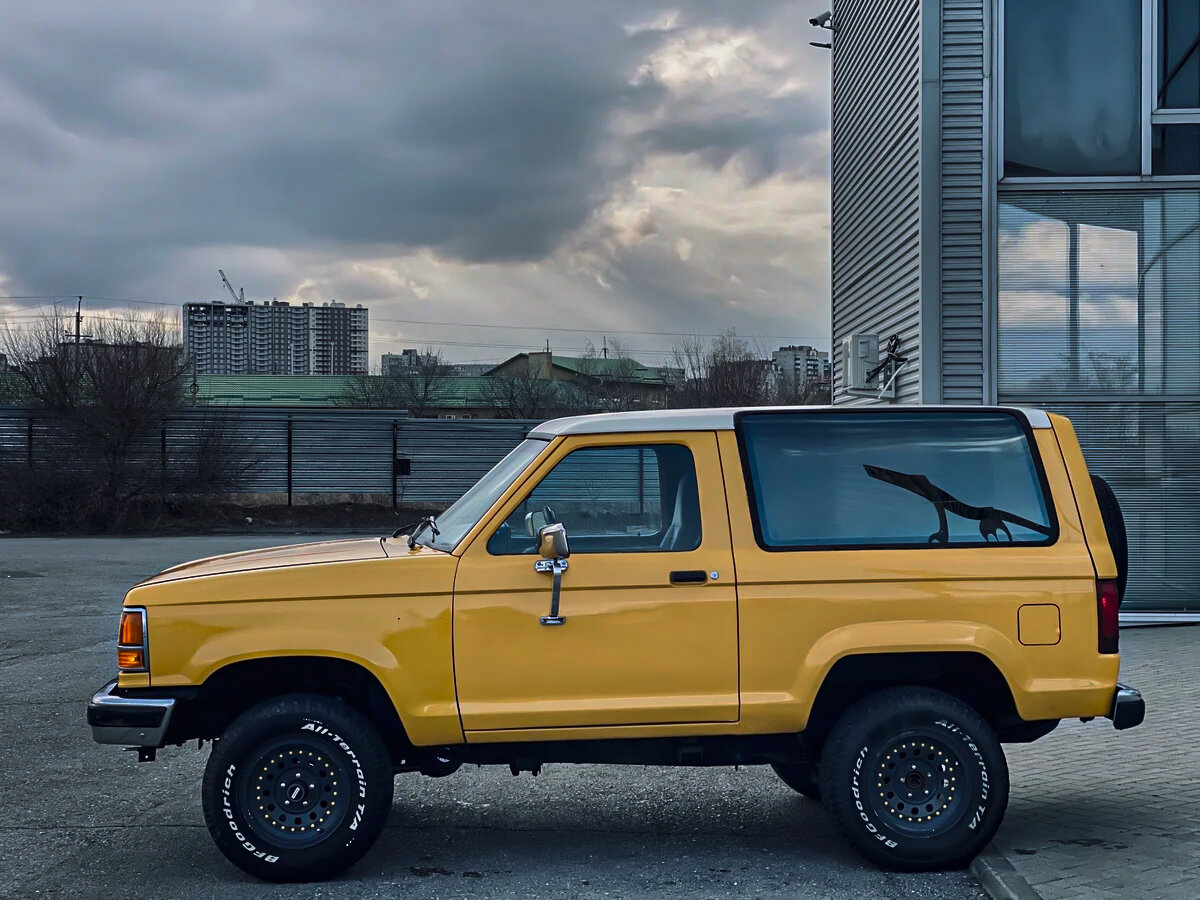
(421,388)
(609,382)
(726,371)
(103,407)
(790,389)
(110,392)
(524,394)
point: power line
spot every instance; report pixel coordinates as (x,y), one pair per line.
(441,324)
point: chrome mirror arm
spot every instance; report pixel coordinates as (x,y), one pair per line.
(555,567)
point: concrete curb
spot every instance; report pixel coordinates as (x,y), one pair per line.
(999,879)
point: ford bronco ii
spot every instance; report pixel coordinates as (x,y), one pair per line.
(868,600)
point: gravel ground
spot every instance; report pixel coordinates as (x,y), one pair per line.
(86,821)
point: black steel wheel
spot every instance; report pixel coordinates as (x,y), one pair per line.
(297,788)
(915,779)
(800,777)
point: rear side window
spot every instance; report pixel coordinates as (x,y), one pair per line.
(855,480)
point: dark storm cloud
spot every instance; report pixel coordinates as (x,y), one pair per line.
(133,133)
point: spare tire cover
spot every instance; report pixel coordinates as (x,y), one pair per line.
(1114,524)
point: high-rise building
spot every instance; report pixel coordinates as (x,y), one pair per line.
(276,338)
(803,363)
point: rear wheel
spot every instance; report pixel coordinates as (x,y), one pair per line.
(915,779)
(297,788)
(800,777)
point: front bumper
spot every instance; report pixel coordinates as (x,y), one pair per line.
(129,721)
(1128,707)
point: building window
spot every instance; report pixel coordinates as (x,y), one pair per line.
(1072,87)
(1178,66)
(1099,293)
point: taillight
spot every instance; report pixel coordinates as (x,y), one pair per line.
(1107,601)
(133,652)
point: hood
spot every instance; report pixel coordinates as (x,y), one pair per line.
(275,557)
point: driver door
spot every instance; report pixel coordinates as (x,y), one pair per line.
(649,635)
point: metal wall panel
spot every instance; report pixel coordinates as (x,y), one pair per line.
(876,180)
(964,189)
(333,451)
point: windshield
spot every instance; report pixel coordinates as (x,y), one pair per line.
(460,518)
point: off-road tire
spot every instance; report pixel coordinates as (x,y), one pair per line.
(915,779)
(297,789)
(800,777)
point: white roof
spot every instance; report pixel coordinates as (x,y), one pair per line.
(721,419)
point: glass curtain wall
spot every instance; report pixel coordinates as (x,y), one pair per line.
(1098,317)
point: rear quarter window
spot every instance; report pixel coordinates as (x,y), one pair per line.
(854,480)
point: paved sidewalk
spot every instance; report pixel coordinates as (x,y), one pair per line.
(1100,813)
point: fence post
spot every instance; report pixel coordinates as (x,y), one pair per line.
(395,449)
(29,442)
(289,460)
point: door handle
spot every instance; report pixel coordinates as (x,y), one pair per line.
(689,576)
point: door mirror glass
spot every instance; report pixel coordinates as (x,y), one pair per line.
(538,519)
(552,541)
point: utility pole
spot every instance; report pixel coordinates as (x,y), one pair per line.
(605,344)
(78,319)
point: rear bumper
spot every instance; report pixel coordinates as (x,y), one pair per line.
(128,721)
(1128,707)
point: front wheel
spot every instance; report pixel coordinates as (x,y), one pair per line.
(915,779)
(297,788)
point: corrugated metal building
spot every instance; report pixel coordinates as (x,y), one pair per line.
(1016,196)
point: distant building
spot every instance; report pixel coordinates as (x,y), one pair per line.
(394,364)
(276,338)
(803,363)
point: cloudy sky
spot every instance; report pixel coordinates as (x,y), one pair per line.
(613,166)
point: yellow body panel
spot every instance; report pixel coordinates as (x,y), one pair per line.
(390,615)
(635,649)
(456,642)
(800,612)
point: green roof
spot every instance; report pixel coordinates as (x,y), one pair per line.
(270,390)
(453,391)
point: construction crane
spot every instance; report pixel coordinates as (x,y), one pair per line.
(240,296)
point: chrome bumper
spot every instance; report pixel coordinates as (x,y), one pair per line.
(1128,707)
(129,721)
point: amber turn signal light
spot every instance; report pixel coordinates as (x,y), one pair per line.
(131,641)
(130,659)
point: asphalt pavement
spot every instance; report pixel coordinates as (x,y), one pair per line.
(83,820)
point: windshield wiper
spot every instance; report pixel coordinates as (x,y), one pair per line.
(427,522)
(991,520)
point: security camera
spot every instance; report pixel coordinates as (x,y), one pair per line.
(821,21)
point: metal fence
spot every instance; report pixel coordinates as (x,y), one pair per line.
(304,451)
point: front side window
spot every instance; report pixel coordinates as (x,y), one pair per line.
(914,479)
(629,499)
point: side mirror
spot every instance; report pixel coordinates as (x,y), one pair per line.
(552,541)
(537,520)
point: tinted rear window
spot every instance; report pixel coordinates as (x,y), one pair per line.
(854,480)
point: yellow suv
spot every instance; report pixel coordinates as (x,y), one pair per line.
(868,600)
